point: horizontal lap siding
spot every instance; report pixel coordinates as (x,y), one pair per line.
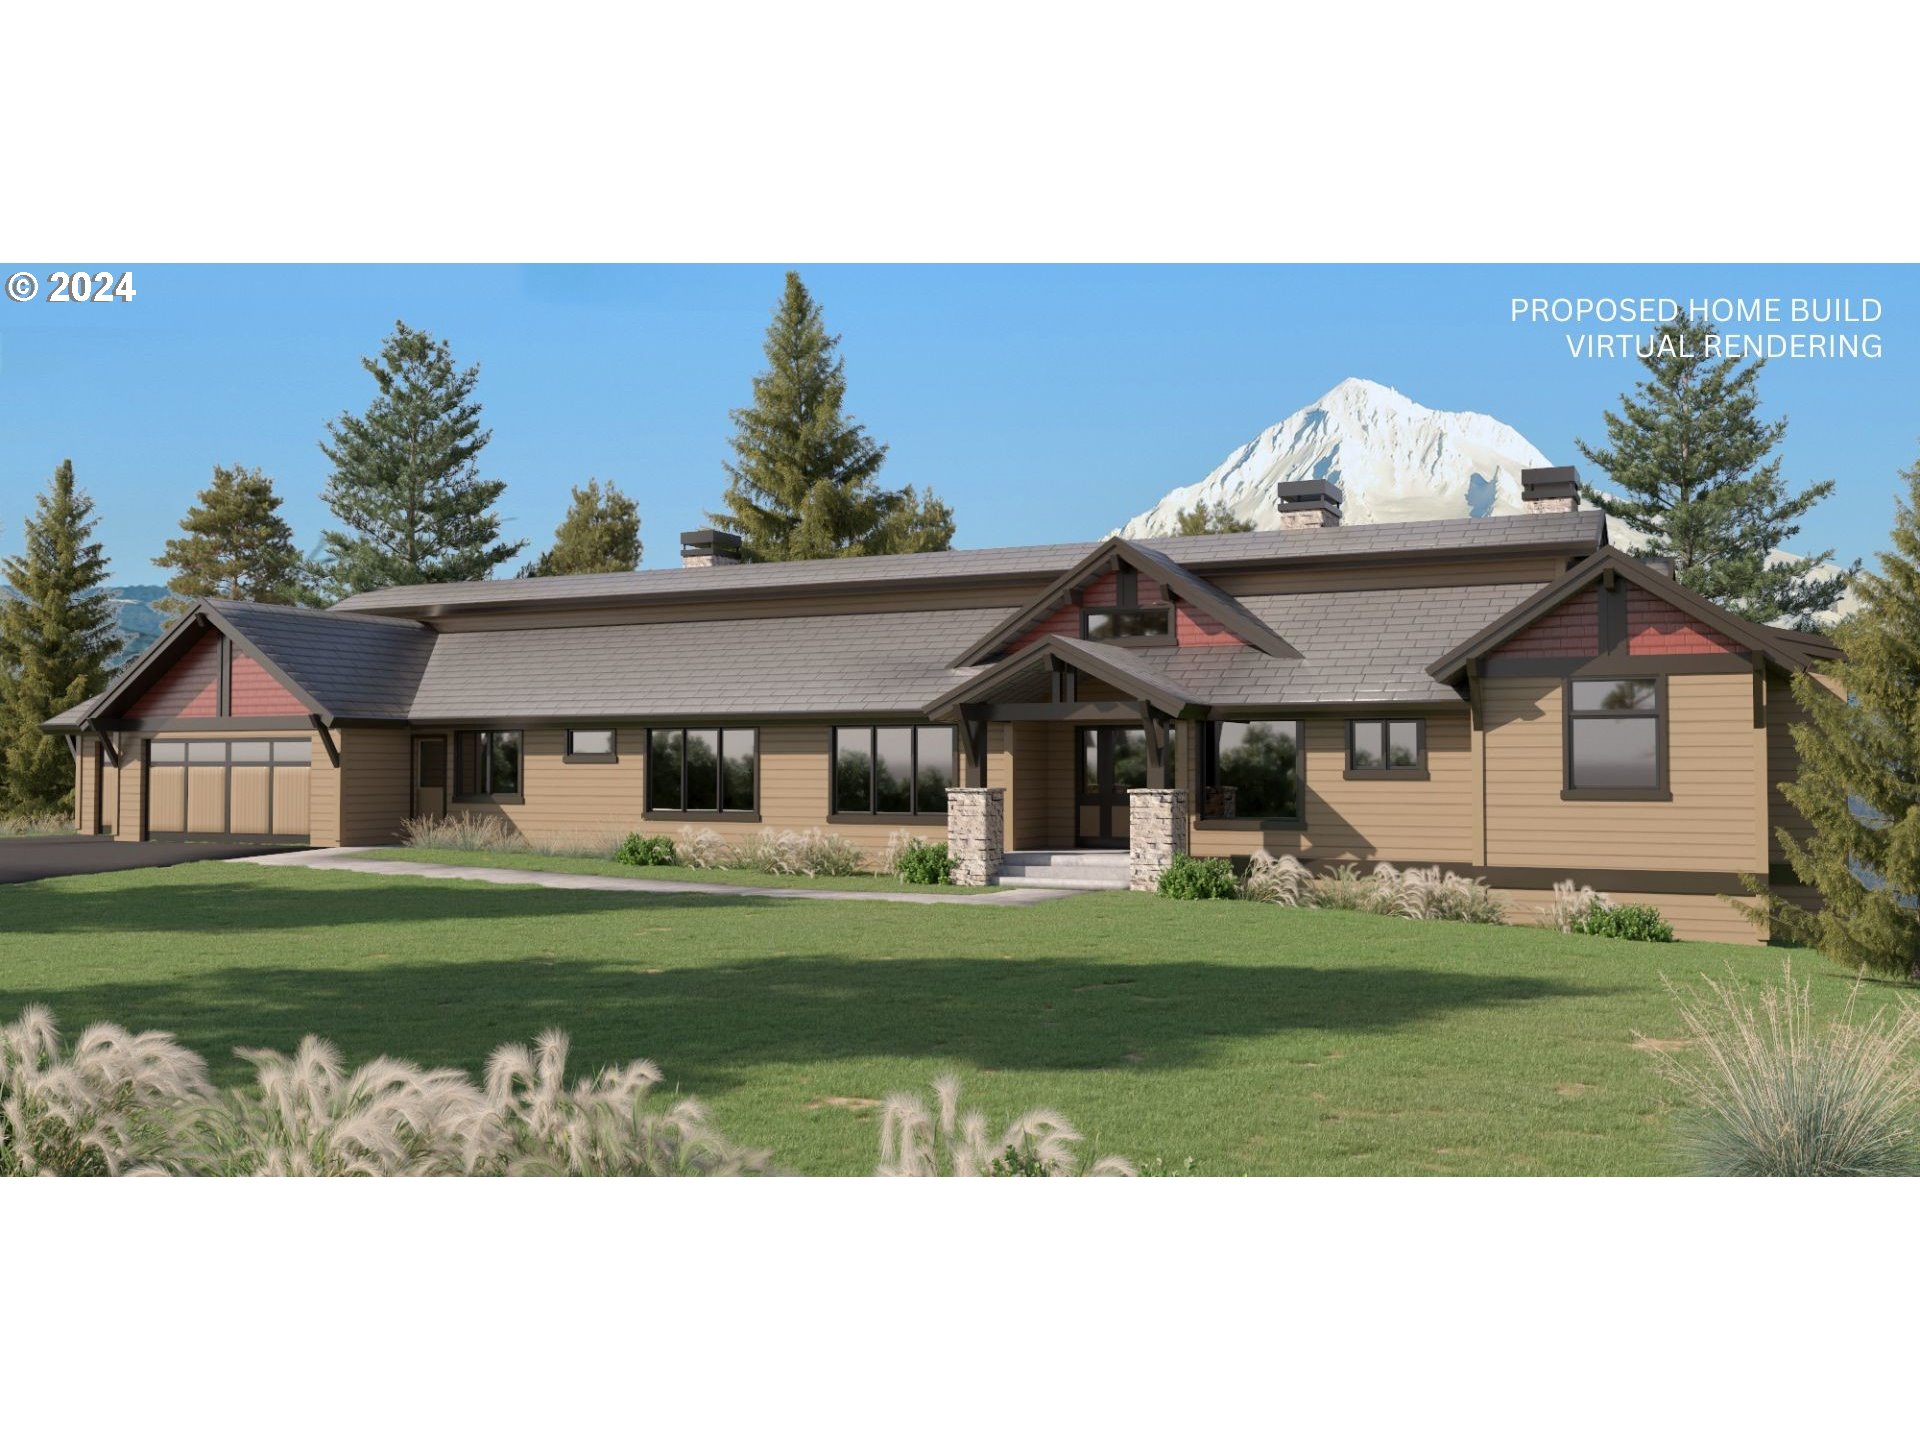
(375,785)
(1693,917)
(84,784)
(110,800)
(1041,807)
(1712,822)
(1365,820)
(132,794)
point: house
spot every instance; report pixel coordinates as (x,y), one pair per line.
(1508,697)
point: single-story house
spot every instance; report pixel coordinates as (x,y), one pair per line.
(1507,697)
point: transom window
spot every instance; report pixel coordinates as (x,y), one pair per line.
(1147,622)
(703,771)
(486,764)
(893,769)
(1615,739)
(591,745)
(1261,762)
(1380,748)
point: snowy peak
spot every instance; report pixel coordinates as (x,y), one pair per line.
(1394,458)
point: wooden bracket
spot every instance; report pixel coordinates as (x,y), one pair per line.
(326,739)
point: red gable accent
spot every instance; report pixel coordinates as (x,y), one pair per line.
(1191,626)
(1196,627)
(1569,629)
(189,689)
(1656,628)
(252,691)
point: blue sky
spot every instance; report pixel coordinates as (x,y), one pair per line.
(1044,403)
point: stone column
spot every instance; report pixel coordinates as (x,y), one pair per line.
(976,832)
(1157,831)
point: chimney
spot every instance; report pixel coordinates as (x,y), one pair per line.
(703,549)
(1661,564)
(1550,490)
(1307,504)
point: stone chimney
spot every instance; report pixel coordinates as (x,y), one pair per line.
(1550,490)
(702,549)
(1308,504)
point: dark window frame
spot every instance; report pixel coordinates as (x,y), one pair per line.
(1166,637)
(1208,763)
(722,810)
(611,757)
(1661,790)
(485,769)
(890,817)
(1387,770)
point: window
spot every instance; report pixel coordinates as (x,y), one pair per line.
(486,764)
(1616,740)
(591,746)
(709,771)
(892,769)
(1153,622)
(1386,749)
(1260,762)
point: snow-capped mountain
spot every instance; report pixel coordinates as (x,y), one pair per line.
(1393,458)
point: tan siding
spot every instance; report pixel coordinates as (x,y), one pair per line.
(1712,822)
(1365,820)
(133,786)
(323,796)
(110,800)
(1043,769)
(85,782)
(376,776)
(1693,917)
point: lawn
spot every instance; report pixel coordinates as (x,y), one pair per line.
(1249,1038)
(575,865)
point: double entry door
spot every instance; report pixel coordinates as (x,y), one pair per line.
(1112,759)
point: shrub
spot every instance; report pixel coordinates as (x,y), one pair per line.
(1191,878)
(917,1142)
(1571,904)
(645,850)
(824,854)
(704,850)
(1773,1093)
(111,1105)
(1277,881)
(1430,895)
(1623,922)
(462,832)
(919,863)
(1345,888)
(38,822)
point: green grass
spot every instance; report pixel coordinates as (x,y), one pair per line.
(576,865)
(1250,1038)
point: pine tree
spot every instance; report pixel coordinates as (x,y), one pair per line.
(600,535)
(1689,460)
(801,485)
(233,545)
(1203,519)
(406,479)
(57,638)
(1859,781)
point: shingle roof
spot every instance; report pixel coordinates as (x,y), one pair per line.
(1573,530)
(363,666)
(70,718)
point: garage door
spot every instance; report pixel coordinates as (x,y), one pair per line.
(228,789)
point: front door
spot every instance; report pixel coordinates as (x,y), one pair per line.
(1113,760)
(430,777)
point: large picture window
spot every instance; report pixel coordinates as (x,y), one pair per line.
(892,769)
(1386,749)
(1614,739)
(1260,762)
(486,764)
(703,771)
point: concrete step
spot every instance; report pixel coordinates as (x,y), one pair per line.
(1057,881)
(1065,872)
(1090,859)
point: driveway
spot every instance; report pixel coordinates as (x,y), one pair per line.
(42,857)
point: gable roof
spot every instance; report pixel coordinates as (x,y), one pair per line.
(1120,667)
(1177,581)
(1785,648)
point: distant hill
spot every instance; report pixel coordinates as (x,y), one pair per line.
(138,622)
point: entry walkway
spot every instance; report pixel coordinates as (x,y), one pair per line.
(351,858)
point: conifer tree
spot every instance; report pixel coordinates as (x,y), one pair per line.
(406,479)
(1859,781)
(1203,519)
(600,535)
(57,639)
(1693,467)
(233,545)
(801,485)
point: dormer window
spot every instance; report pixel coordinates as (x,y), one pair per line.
(1144,623)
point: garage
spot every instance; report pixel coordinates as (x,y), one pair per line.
(229,789)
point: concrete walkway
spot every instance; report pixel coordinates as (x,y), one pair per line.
(348,858)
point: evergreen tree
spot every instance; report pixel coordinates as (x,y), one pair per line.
(1203,519)
(56,639)
(233,545)
(801,485)
(1690,460)
(406,479)
(599,536)
(1859,781)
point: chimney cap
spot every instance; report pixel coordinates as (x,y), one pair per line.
(708,542)
(1303,494)
(1550,482)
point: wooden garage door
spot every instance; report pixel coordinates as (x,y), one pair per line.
(228,789)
